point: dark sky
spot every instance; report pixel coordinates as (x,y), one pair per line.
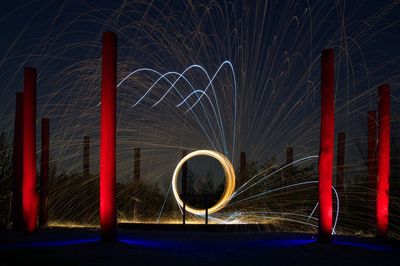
(274,47)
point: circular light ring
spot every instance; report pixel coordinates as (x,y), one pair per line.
(229,181)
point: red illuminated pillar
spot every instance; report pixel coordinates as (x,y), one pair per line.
(383,169)
(17,163)
(29,195)
(327,138)
(340,155)
(108,217)
(371,150)
(44,173)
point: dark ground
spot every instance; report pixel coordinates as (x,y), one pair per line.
(82,246)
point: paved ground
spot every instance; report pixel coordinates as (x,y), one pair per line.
(61,246)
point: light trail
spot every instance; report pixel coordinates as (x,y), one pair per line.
(242,189)
(229,181)
(195,91)
(291,186)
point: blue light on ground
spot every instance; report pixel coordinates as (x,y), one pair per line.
(201,244)
(144,243)
(287,242)
(270,243)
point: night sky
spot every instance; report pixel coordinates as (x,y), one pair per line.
(274,48)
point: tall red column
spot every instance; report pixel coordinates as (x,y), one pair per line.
(29,195)
(340,156)
(44,173)
(108,217)
(383,169)
(327,138)
(371,162)
(17,163)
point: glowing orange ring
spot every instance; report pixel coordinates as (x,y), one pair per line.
(229,181)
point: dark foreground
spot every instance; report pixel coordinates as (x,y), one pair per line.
(61,246)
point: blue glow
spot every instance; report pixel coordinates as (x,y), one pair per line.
(204,244)
(46,244)
(143,243)
(289,242)
(374,247)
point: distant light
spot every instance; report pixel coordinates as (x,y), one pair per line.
(229,181)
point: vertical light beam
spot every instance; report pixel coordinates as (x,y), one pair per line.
(29,195)
(44,173)
(383,169)
(327,138)
(108,218)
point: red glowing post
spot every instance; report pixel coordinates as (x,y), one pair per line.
(108,217)
(17,163)
(371,150)
(29,195)
(327,138)
(44,173)
(383,169)
(341,150)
